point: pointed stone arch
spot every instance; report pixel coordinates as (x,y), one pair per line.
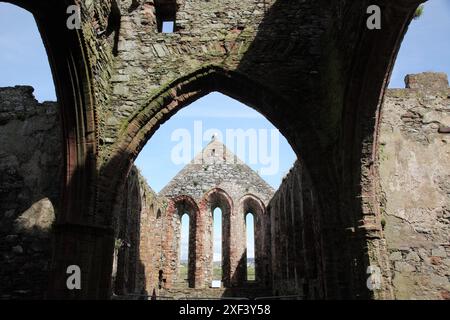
(358,59)
(77,229)
(177,207)
(250,203)
(218,198)
(180,93)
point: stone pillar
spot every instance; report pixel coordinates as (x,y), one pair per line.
(203,248)
(91,248)
(259,247)
(226,247)
(238,256)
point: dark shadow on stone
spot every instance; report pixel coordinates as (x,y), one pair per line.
(30,191)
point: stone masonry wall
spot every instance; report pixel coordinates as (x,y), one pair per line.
(127,245)
(151,239)
(30,182)
(414,170)
(148,60)
(138,239)
(31,168)
(295,233)
(217,32)
(216,178)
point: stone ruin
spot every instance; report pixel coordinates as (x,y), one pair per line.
(215,178)
(341,225)
(413,173)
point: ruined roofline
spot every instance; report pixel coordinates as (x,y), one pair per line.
(215,153)
(424,81)
(26,90)
(204,156)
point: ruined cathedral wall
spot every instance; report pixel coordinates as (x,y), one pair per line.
(414,174)
(31,178)
(294,228)
(138,245)
(31,168)
(215,179)
(151,238)
(207,32)
(414,169)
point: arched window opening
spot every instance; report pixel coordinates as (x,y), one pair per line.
(217,248)
(243,130)
(182,158)
(184,249)
(250,238)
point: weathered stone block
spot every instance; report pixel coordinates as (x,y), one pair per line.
(412,256)
(396,256)
(404,267)
(17,249)
(120,78)
(427,81)
(439,252)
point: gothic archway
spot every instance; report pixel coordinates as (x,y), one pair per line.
(218,198)
(72,74)
(177,207)
(362,60)
(251,204)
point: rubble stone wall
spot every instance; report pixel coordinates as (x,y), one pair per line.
(295,233)
(216,178)
(138,248)
(30,182)
(414,167)
(414,175)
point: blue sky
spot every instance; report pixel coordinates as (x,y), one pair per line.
(218,113)
(23,61)
(426,46)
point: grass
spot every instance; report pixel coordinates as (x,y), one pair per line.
(183,269)
(251,274)
(217,272)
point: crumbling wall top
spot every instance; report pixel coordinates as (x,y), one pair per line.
(427,81)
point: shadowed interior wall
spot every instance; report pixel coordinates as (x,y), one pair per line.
(138,247)
(31,165)
(297,238)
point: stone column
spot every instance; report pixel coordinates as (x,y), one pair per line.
(202,246)
(89,247)
(238,246)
